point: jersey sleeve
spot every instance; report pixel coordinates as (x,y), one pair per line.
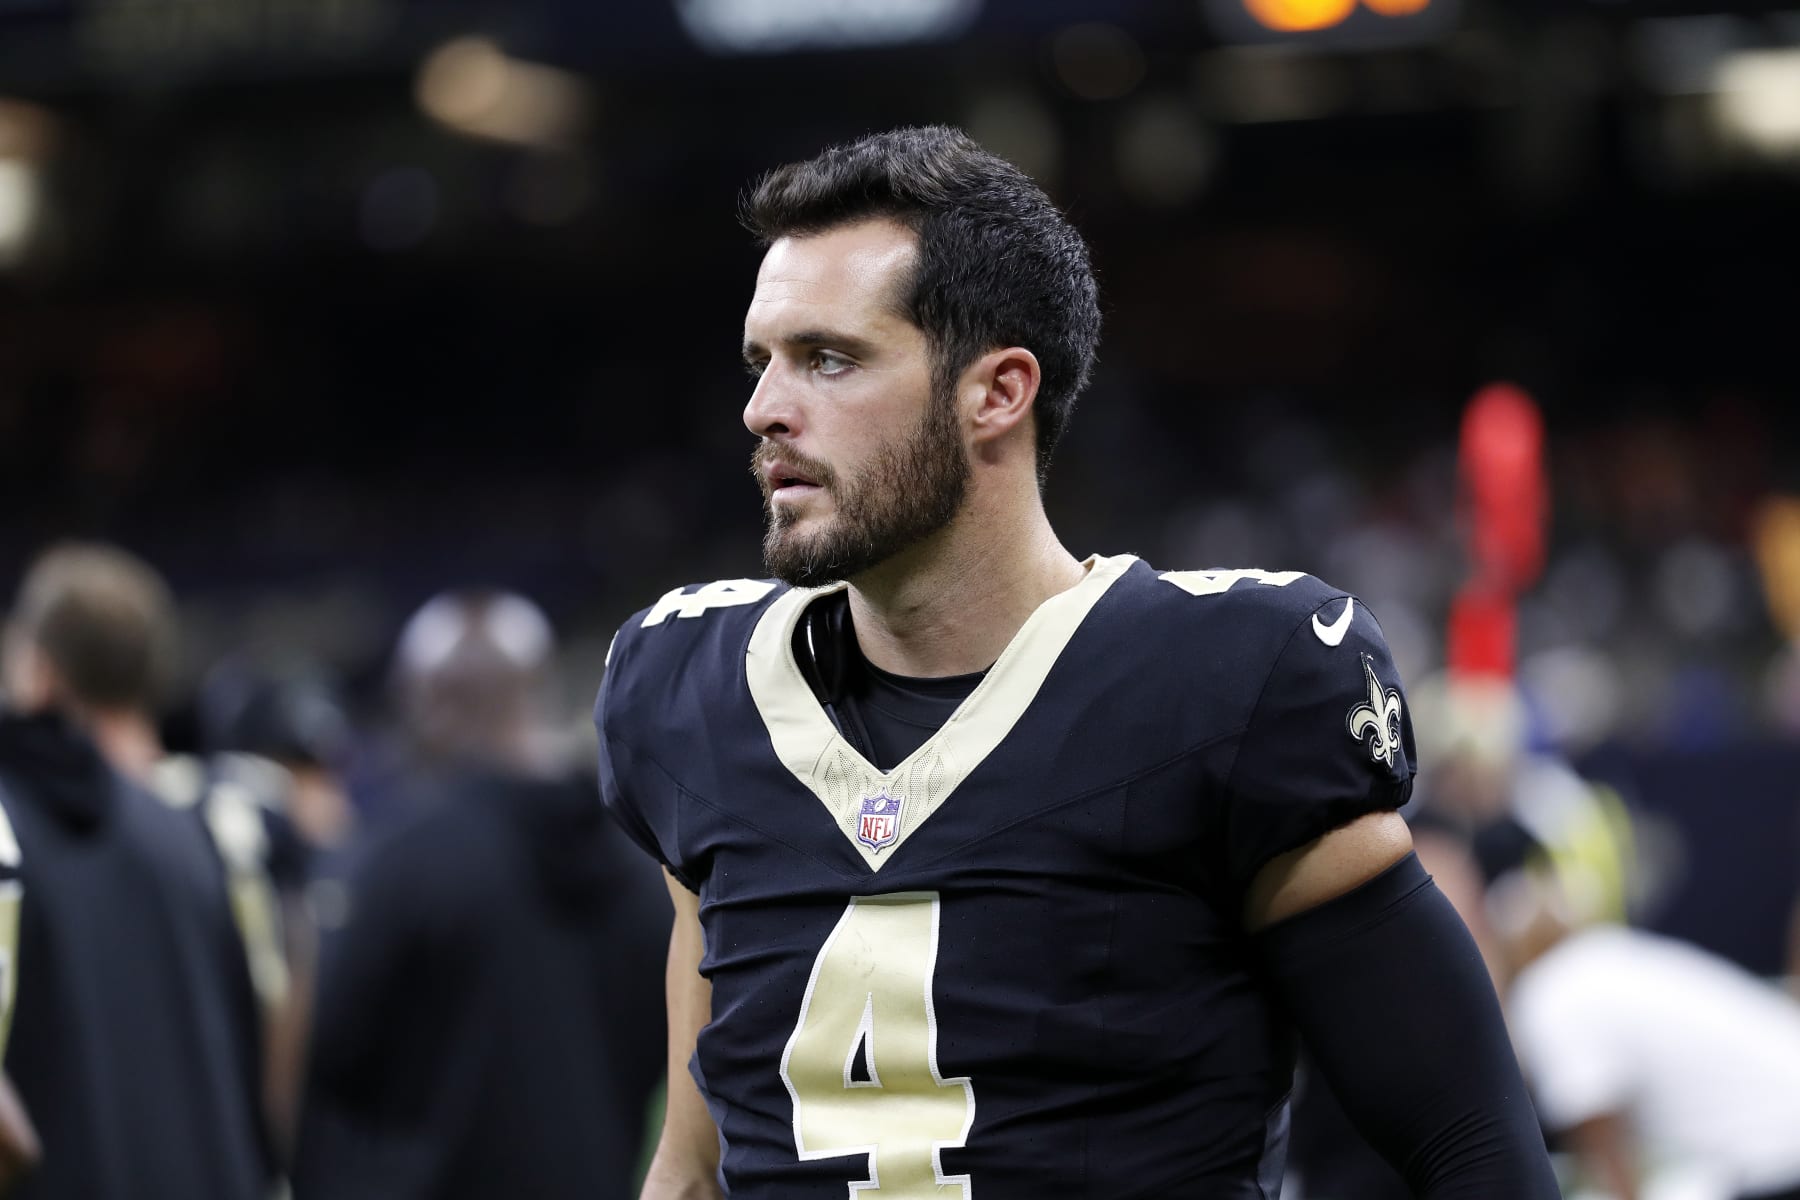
(619,790)
(1329,739)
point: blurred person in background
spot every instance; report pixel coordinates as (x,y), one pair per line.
(295,719)
(488,1021)
(134,1041)
(1673,1072)
(239,799)
(992,865)
(252,721)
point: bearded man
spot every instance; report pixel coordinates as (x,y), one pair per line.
(997,871)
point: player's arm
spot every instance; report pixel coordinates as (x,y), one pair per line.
(686,1164)
(1453,868)
(1342,860)
(1384,983)
(1355,942)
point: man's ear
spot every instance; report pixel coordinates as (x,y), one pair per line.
(999,390)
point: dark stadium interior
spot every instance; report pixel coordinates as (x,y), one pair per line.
(285,320)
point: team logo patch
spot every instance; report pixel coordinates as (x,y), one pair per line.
(1378,721)
(878,824)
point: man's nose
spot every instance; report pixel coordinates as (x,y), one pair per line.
(771,409)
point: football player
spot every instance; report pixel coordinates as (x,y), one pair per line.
(997,871)
(133,1039)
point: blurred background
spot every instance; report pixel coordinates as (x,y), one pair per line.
(323,306)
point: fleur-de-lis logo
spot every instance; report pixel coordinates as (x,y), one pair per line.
(1379,719)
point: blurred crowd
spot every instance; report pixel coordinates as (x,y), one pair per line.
(224,978)
(302,865)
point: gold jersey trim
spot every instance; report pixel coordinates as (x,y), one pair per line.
(811,748)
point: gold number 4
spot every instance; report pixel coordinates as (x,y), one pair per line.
(1213,583)
(861,1064)
(724,593)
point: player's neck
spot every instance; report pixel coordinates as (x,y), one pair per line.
(950,605)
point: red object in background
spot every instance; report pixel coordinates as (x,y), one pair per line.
(1506,506)
(1505,493)
(1481,638)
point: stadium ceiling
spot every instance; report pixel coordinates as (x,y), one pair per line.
(49,46)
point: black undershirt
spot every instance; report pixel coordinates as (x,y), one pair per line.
(884,716)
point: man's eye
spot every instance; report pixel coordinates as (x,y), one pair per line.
(827,363)
(755,369)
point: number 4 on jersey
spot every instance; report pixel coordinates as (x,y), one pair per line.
(861,1065)
(725,593)
(1214,583)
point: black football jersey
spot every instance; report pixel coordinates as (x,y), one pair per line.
(1014,965)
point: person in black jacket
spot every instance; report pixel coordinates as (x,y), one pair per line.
(489,1019)
(132,1044)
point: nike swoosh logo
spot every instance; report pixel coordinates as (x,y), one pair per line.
(1333,633)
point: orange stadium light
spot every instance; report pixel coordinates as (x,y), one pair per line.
(1300,16)
(1397,8)
(1309,16)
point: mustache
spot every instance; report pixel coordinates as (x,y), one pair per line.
(812,468)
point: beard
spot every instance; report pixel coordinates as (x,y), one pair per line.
(908,491)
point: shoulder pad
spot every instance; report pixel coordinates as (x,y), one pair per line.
(696,619)
(1294,591)
(1254,602)
(696,600)
(686,650)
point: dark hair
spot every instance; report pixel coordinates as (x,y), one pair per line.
(998,265)
(105,620)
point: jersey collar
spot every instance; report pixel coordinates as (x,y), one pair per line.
(813,751)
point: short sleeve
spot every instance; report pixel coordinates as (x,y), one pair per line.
(621,790)
(615,761)
(1329,740)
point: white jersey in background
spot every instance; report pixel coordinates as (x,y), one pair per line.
(1702,1058)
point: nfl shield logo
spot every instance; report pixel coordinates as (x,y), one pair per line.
(879,823)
